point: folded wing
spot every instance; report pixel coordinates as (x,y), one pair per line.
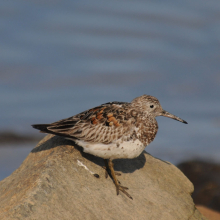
(102,124)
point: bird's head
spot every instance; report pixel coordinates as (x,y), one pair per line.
(150,105)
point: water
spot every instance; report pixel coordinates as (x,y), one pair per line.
(59,58)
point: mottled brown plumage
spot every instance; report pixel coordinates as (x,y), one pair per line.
(113,130)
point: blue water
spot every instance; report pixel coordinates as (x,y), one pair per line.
(58,58)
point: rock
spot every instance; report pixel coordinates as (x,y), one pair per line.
(206,178)
(52,183)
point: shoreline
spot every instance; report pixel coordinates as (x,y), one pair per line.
(10,137)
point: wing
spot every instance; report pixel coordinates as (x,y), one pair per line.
(102,124)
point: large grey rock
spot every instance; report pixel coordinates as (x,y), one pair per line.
(51,184)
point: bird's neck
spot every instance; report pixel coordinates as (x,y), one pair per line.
(147,129)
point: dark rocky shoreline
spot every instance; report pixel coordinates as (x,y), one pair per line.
(10,137)
(205,177)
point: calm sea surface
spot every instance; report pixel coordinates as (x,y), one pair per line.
(58,58)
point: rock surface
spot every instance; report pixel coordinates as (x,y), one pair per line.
(52,183)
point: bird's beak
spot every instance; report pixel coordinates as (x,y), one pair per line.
(167,114)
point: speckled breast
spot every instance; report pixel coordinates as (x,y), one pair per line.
(147,130)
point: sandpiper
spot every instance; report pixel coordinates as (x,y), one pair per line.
(113,130)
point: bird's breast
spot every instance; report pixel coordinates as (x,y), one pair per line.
(146,131)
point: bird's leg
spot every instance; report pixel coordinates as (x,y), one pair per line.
(117,185)
(107,170)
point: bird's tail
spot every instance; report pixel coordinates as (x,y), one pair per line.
(42,127)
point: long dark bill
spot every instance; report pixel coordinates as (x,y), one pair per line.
(169,115)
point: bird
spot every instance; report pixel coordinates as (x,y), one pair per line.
(114,130)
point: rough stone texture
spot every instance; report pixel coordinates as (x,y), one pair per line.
(50,184)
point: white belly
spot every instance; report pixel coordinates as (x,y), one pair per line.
(117,150)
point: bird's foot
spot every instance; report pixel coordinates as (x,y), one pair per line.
(122,189)
(109,171)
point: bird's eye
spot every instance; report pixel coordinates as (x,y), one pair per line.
(151,106)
